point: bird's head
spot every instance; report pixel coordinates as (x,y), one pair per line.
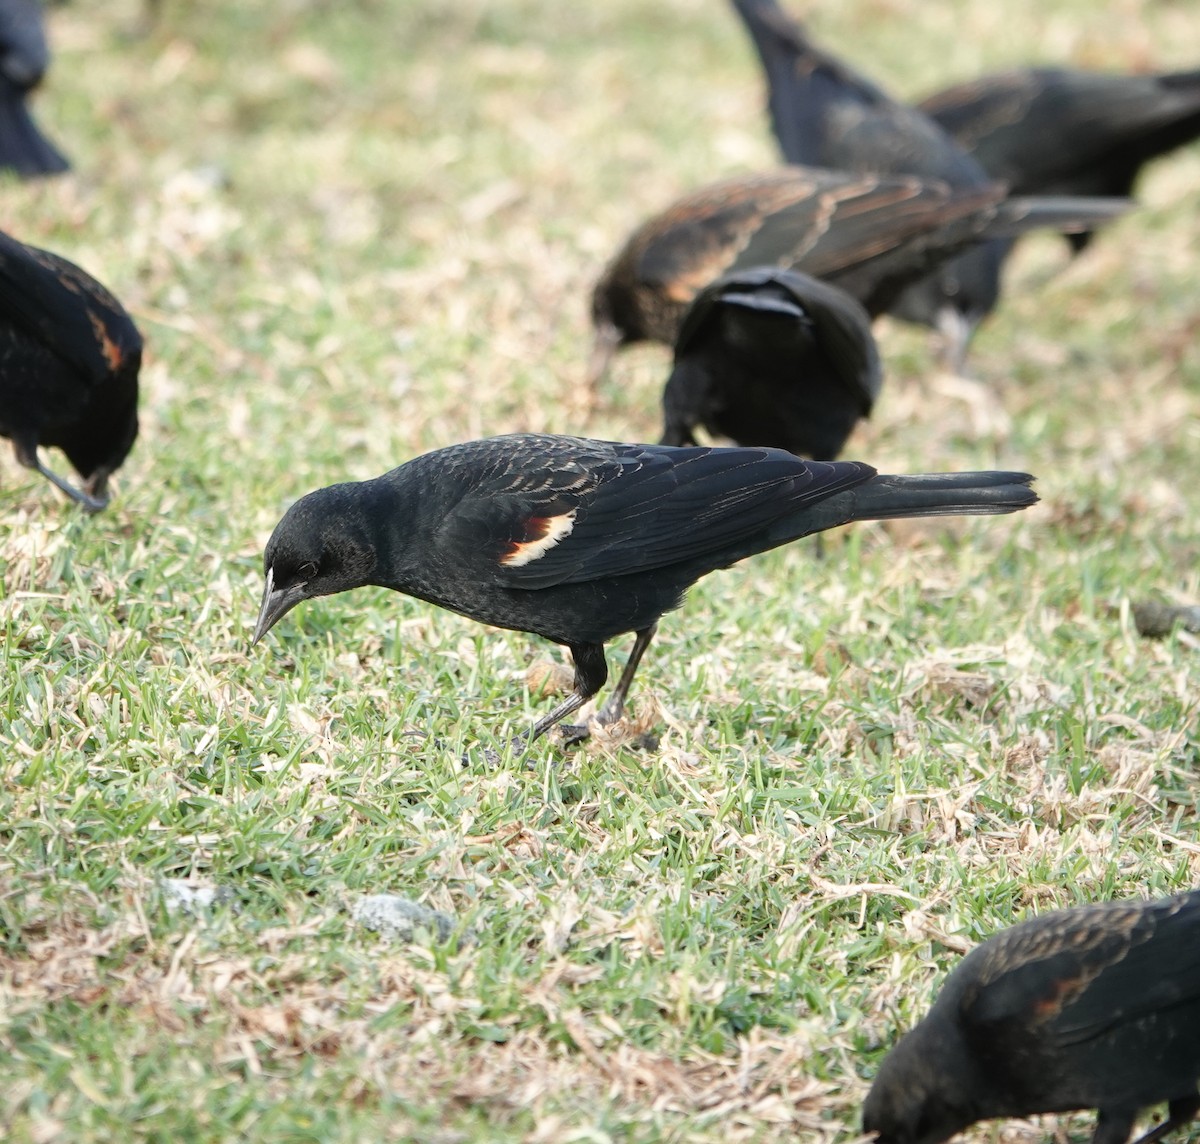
(920,1094)
(320,547)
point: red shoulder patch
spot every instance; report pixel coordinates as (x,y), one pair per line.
(538,535)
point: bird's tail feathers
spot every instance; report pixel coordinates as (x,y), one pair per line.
(918,494)
(1062,212)
(942,494)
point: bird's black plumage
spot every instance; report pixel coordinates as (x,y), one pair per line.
(580,541)
(1094,1007)
(24,57)
(870,235)
(69,362)
(1062,131)
(825,114)
(772,357)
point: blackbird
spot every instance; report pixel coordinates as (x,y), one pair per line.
(1058,131)
(871,235)
(824,114)
(580,541)
(772,357)
(24,58)
(69,362)
(1094,1007)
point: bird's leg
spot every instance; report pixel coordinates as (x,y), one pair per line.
(1113,1127)
(591,673)
(955,329)
(611,711)
(1179,1113)
(607,339)
(27,456)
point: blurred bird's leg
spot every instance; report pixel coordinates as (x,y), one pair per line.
(96,486)
(955,330)
(1179,1113)
(27,456)
(591,673)
(608,337)
(988,417)
(612,710)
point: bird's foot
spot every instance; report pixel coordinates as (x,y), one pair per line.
(572,734)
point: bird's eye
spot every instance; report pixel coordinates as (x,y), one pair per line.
(308,571)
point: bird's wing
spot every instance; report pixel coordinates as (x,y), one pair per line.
(824,223)
(1075,979)
(839,323)
(66,309)
(1039,128)
(627,509)
(842,328)
(841,227)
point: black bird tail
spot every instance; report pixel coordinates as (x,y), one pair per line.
(919,494)
(1181,80)
(801,80)
(942,494)
(1067,213)
(23,148)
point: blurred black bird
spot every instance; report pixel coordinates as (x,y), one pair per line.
(772,357)
(869,235)
(824,114)
(1059,131)
(580,541)
(24,57)
(1094,1007)
(69,362)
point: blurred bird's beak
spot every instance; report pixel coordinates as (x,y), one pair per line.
(608,337)
(276,603)
(96,487)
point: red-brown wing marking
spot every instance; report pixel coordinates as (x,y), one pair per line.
(539,534)
(109,348)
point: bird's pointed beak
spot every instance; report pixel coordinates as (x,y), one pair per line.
(608,337)
(276,603)
(96,487)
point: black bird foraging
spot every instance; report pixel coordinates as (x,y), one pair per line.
(24,57)
(825,114)
(580,541)
(69,362)
(1093,1007)
(1062,131)
(870,235)
(772,357)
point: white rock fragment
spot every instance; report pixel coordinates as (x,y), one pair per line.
(399,918)
(188,898)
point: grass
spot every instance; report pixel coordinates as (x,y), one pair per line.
(355,231)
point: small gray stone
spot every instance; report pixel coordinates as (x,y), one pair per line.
(180,896)
(400,918)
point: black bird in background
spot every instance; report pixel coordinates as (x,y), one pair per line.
(772,357)
(69,362)
(1060,131)
(824,114)
(1093,1007)
(24,57)
(580,541)
(869,235)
